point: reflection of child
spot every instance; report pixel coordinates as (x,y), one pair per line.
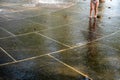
(94,7)
(92,30)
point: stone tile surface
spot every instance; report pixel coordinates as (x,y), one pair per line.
(96,60)
(112,41)
(61,24)
(22,26)
(71,35)
(44,68)
(3,33)
(4,58)
(51,20)
(29,46)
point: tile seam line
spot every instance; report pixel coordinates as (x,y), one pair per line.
(7,31)
(18,61)
(41,55)
(42,14)
(31,58)
(28,17)
(38,31)
(18,35)
(94,40)
(35,57)
(70,67)
(8,54)
(39,15)
(53,40)
(59,26)
(62,50)
(72,47)
(59,51)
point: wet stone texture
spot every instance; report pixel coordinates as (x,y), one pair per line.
(3,57)
(71,35)
(31,45)
(3,33)
(22,26)
(56,40)
(112,41)
(96,60)
(44,68)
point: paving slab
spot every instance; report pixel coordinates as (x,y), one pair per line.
(71,35)
(96,60)
(31,31)
(44,68)
(51,20)
(112,41)
(22,26)
(31,45)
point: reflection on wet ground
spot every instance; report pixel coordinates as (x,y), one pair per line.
(57,41)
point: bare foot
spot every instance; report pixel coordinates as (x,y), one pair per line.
(90,16)
(95,16)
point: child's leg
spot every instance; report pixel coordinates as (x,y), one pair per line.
(96,9)
(91,8)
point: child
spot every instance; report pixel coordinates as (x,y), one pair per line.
(94,7)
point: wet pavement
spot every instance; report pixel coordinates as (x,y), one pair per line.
(59,41)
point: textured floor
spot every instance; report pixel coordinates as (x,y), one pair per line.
(59,42)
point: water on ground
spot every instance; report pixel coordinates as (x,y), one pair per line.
(55,40)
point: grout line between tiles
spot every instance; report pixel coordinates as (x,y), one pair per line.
(35,31)
(79,45)
(7,54)
(19,35)
(38,31)
(7,31)
(82,44)
(40,24)
(4,64)
(35,57)
(6,37)
(70,67)
(53,40)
